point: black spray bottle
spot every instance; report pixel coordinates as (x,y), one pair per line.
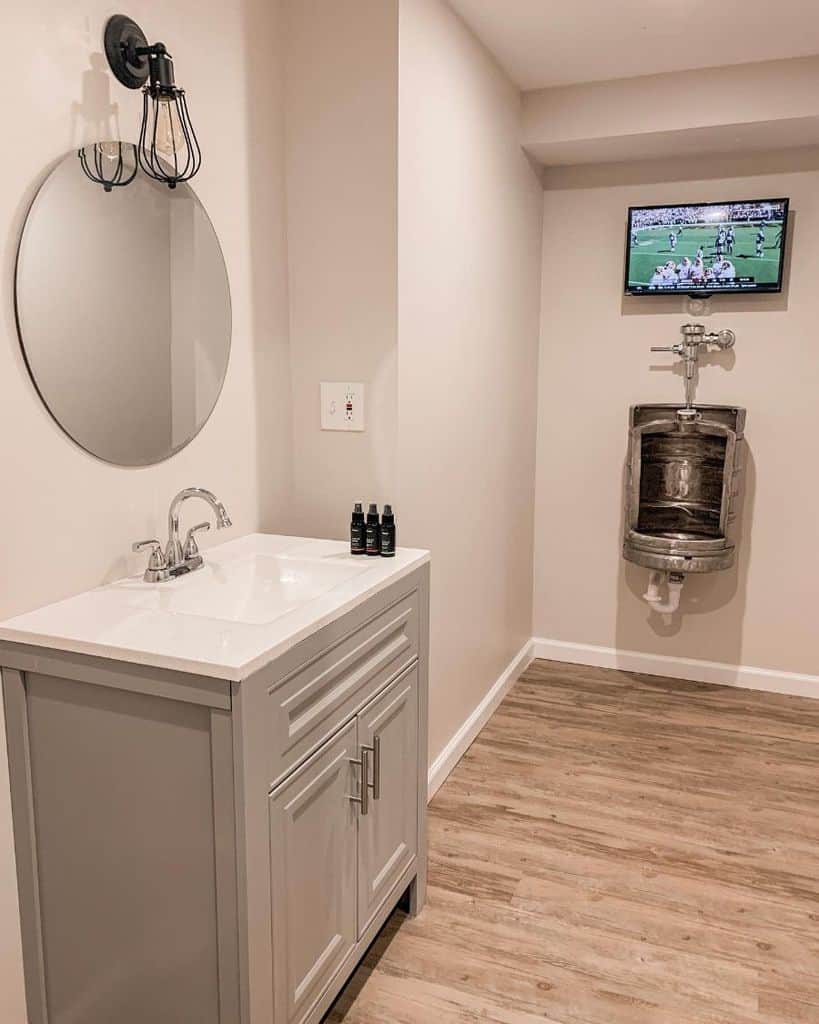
(373,531)
(358,531)
(388,533)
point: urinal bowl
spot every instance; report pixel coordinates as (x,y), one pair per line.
(682,486)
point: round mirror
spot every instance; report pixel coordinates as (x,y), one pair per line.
(123,307)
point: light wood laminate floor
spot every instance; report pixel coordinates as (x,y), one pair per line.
(615,849)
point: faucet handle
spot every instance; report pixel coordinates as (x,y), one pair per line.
(157,570)
(191,548)
(157,560)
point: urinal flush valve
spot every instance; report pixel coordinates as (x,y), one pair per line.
(695,337)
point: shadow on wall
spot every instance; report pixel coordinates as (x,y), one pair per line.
(705,593)
(724,359)
(95,117)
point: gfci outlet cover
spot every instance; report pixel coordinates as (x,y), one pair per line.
(342,406)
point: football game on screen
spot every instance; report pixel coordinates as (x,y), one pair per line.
(713,247)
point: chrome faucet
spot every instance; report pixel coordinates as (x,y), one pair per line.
(175,553)
(178,558)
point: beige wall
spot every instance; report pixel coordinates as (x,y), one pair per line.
(342,129)
(414,252)
(595,362)
(469,252)
(70,521)
(67,520)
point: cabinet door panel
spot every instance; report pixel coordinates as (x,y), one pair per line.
(313,874)
(388,834)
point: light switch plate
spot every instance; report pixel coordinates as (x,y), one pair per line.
(342,406)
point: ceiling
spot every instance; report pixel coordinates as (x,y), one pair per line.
(543,43)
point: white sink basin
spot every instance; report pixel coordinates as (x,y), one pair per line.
(256,589)
(255,598)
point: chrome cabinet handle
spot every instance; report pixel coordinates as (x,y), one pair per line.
(364,789)
(375,750)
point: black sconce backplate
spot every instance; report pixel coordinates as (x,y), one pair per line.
(122,37)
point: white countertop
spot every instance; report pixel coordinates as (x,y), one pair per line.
(195,623)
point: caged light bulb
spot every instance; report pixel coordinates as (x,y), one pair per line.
(170,137)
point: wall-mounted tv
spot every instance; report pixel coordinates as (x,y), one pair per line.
(706,248)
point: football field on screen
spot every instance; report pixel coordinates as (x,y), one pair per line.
(653,248)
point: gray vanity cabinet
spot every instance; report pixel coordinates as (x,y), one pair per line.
(191,848)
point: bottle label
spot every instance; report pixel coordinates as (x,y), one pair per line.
(358,540)
(373,539)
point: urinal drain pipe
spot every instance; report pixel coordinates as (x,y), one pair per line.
(674,583)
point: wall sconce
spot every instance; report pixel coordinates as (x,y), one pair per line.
(168,150)
(107,166)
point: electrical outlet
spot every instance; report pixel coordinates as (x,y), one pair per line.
(342,406)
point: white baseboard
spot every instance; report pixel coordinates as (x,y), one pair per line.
(743,676)
(462,740)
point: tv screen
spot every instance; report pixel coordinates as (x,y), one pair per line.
(706,248)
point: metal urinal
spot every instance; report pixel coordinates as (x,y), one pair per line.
(682,486)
